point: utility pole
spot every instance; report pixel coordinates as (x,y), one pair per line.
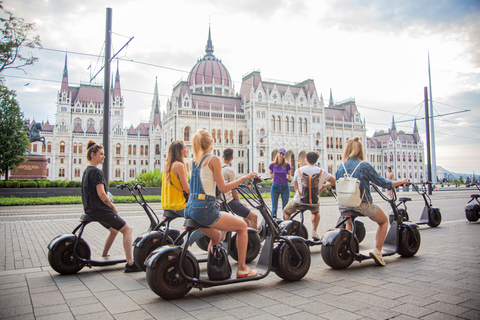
(427,128)
(106,97)
(434,157)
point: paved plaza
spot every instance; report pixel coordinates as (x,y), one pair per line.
(442,281)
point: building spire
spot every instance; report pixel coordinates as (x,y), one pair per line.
(394,127)
(209,46)
(155,117)
(330,102)
(65,77)
(117,91)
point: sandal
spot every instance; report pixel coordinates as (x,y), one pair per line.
(246,273)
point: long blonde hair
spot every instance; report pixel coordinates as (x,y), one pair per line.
(354,149)
(201,141)
(175,153)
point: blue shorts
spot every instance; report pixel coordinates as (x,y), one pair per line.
(204,212)
(238,208)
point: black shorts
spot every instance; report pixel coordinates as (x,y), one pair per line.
(238,208)
(108,219)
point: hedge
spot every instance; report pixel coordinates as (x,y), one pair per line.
(15,201)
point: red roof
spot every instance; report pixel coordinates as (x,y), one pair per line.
(78,128)
(132,131)
(91,129)
(47,127)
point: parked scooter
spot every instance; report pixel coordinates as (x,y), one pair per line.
(472,209)
(172,272)
(430,215)
(340,248)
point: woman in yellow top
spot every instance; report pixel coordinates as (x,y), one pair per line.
(174,181)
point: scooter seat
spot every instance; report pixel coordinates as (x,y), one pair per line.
(404,199)
(475,196)
(304,207)
(352,214)
(170,214)
(189,223)
(85,218)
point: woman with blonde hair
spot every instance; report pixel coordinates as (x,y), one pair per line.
(354,157)
(97,205)
(201,206)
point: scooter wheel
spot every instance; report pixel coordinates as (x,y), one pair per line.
(253,247)
(339,254)
(473,214)
(360,231)
(140,254)
(61,258)
(409,241)
(434,217)
(294,228)
(290,266)
(403,214)
(165,279)
(203,243)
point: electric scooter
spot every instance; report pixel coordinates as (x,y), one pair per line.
(340,248)
(172,272)
(472,209)
(430,215)
(69,253)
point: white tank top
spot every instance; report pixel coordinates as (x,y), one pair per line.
(207,179)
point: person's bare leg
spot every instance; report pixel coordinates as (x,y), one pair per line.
(109,241)
(381,218)
(315,221)
(127,232)
(252,220)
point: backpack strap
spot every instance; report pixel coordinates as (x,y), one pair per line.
(346,172)
(297,188)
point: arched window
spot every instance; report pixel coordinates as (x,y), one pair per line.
(61,172)
(391,157)
(293,125)
(279,123)
(146,150)
(80,148)
(34,147)
(300,125)
(77,172)
(305,125)
(231,136)
(132,173)
(118,149)
(385,158)
(339,141)
(43,147)
(214,136)
(141,150)
(409,157)
(398,156)
(273,123)
(117,173)
(219,136)
(240,137)
(74,147)
(225,136)
(287,125)
(62,147)
(414,157)
(129,149)
(49,147)
(336,143)
(157,149)
(134,149)
(240,168)
(186,134)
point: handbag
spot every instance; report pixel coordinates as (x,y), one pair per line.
(218,267)
(185,195)
(348,189)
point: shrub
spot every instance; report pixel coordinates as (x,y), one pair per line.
(41,183)
(2,183)
(62,184)
(79,183)
(112,184)
(54,184)
(30,184)
(71,184)
(151,178)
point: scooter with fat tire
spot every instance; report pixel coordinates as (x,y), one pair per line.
(430,216)
(472,209)
(172,272)
(340,248)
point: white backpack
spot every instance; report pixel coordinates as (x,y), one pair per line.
(348,189)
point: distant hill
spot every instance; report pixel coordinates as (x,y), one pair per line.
(456,175)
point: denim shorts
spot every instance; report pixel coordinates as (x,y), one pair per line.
(204,212)
(367,209)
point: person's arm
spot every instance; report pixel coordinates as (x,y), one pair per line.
(399,183)
(289,174)
(271,174)
(331,182)
(179,171)
(216,166)
(104,197)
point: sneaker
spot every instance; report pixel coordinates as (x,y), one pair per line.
(131,268)
(224,235)
(377,257)
(259,230)
(246,273)
(315,236)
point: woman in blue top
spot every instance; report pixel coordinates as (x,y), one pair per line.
(280,172)
(352,156)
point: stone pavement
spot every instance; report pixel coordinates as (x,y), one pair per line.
(441,282)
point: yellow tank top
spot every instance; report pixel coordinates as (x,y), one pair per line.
(172,199)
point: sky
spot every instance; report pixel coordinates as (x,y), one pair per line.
(374,51)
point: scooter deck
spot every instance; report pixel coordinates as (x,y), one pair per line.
(365,254)
(107,261)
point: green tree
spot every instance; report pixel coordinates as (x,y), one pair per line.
(13,139)
(16,34)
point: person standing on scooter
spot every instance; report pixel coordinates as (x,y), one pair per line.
(352,156)
(322,176)
(280,173)
(201,206)
(97,205)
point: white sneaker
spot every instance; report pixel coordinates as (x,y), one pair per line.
(315,236)
(377,257)
(224,235)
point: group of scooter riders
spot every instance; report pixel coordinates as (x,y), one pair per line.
(197,200)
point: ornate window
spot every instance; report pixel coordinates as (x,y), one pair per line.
(214,136)
(74,147)
(225,136)
(157,149)
(49,147)
(134,149)
(146,150)
(141,150)
(118,149)
(186,134)
(117,173)
(273,123)
(231,136)
(219,136)
(240,138)
(62,147)
(129,149)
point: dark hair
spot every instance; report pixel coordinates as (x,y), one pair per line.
(228,154)
(92,147)
(312,157)
(174,154)
(390,168)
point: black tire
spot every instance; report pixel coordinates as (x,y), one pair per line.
(434,217)
(203,243)
(253,247)
(295,228)
(61,258)
(473,214)
(409,242)
(173,235)
(287,265)
(360,230)
(338,255)
(140,254)
(402,212)
(165,279)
